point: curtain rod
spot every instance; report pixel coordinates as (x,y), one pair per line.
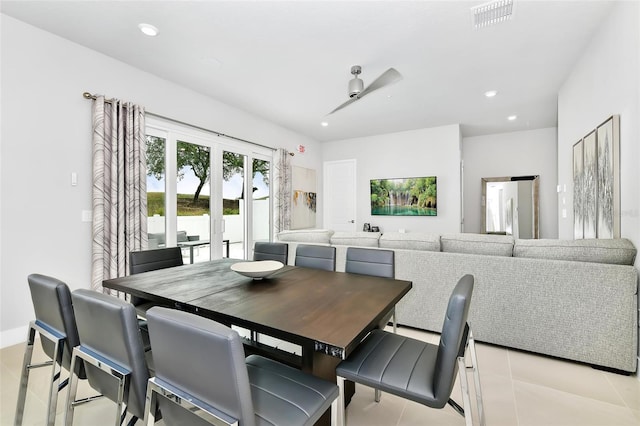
(88,95)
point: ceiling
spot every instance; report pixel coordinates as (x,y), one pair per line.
(289,62)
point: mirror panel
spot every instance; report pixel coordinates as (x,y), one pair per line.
(510,206)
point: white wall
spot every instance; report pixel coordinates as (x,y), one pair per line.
(606,81)
(414,153)
(531,152)
(46,135)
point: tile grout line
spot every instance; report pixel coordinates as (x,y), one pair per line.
(615,388)
(513,389)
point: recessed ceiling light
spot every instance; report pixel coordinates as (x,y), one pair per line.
(324,124)
(148,29)
(490,93)
(512,117)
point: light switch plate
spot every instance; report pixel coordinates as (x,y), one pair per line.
(87,215)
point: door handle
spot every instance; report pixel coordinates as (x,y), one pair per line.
(352,221)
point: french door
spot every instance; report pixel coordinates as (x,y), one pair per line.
(206,194)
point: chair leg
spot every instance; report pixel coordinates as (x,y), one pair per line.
(151,402)
(58,340)
(55,380)
(394,322)
(341,418)
(466,399)
(73,390)
(476,378)
(118,373)
(334,412)
(24,379)
(376,396)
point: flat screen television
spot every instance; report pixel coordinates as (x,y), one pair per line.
(404,197)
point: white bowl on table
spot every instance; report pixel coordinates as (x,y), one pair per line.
(257,269)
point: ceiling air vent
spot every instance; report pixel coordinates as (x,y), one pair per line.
(492,13)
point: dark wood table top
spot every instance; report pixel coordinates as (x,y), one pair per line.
(335,310)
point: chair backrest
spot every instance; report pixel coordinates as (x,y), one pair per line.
(202,358)
(108,326)
(317,257)
(53,306)
(452,337)
(150,260)
(271,251)
(378,263)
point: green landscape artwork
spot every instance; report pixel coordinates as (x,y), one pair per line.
(404,197)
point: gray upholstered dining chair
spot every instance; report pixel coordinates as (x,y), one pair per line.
(202,377)
(373,262)
(416,370)
(113,354)
(271,251)
(56,324)
(151,260)
(316,257)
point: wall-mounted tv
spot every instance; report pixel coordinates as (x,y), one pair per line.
(404,197)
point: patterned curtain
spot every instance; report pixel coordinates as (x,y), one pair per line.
(119,187)
(282,191)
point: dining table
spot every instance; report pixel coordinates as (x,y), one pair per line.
(326,313)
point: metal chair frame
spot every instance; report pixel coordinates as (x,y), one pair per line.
(159,388)
(466,409)
(119,373)
(59,340)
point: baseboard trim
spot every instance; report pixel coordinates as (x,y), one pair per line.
(13,337)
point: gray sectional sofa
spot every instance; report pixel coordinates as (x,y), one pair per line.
(569,299)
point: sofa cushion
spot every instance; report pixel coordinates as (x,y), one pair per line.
(410,241)
(318,236)
(359,239)
(492,245)
(158,238)
(618,251)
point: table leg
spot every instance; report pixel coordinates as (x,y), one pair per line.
(191,254)
(324,366)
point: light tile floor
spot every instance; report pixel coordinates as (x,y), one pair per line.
(519,389)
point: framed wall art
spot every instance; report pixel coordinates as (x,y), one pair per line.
(608,182)
(578,191)
(596,182)
(589,170)
(303,194)
(404,197)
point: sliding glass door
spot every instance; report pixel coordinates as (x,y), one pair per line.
(193,198)
(234,211)
(197,187)
(261,200)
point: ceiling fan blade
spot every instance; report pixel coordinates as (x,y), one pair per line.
(390,76)
(351,100)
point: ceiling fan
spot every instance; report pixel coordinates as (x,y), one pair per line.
(356,85)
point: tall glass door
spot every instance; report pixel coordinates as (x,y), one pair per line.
(156,195)
(233,204)
(193,194)
(261,200)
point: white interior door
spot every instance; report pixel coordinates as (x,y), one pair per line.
(339,185)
